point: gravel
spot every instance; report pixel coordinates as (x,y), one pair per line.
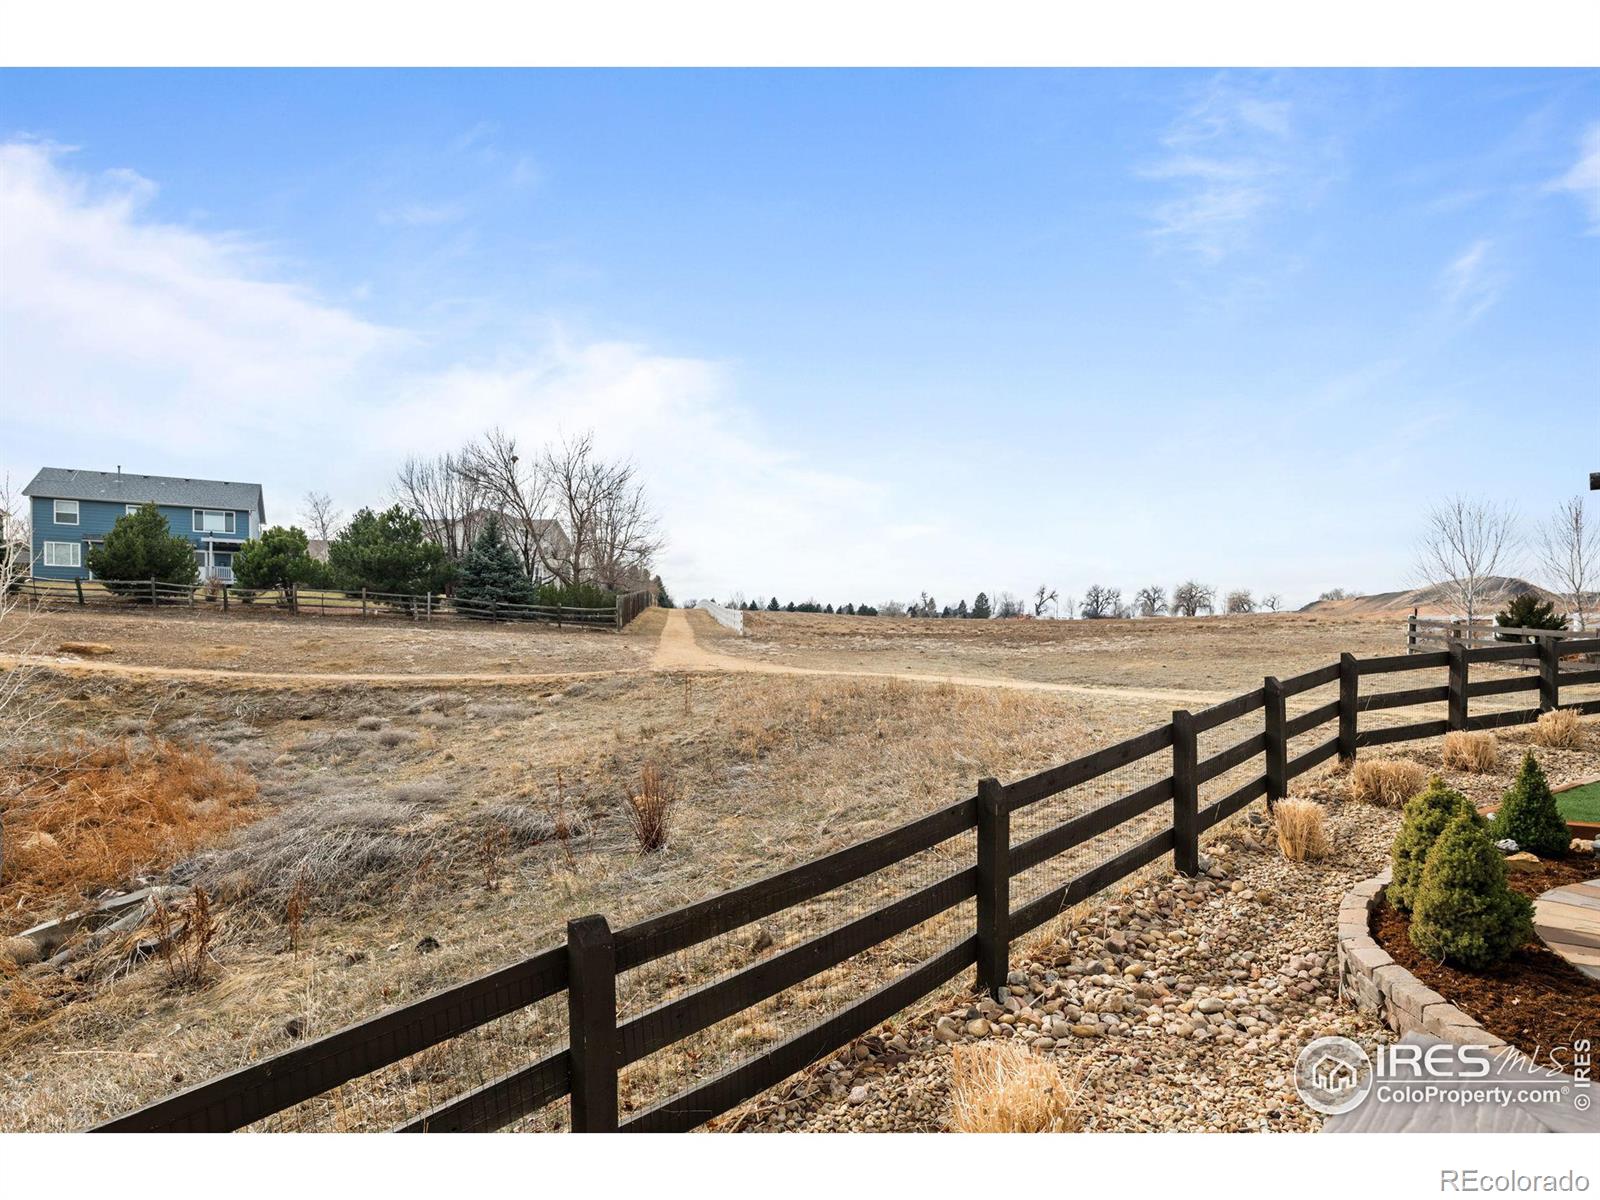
(1184,1002)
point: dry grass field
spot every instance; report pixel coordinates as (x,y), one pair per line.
(393,839)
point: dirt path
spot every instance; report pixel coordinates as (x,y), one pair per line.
(678,650)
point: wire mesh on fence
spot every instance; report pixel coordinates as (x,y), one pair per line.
(816,922)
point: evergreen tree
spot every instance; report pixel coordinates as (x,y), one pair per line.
(774,606)
(1528,814)
(663,600)
(980,607)
(1464,911)
(961,610)
(491,572)
(1527,611)
(828,610)
(849,610)
(1425,816)
(789,607)
(278,558)
(140,547)
(387,552)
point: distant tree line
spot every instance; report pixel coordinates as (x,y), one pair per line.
(1189,599)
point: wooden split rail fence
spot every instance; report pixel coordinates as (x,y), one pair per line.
(1428,633)
(233,599)
(588,965)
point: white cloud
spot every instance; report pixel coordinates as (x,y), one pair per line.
(125,339)
(413,215)
(1231,160)
(1583,180)
(1471,284)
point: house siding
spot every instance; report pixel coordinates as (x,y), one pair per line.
(95,519)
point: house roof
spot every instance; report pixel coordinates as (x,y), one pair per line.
(67,484)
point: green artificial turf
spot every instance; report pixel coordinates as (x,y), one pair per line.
(1581,803)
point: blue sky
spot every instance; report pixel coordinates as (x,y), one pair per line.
(866,333)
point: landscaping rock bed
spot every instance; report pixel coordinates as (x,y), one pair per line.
(1176,1004)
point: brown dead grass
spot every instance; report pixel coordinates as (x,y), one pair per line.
(1302,836)
(83,816)
(1000,1087)
(1477,753)
(1388,782)
(1558,730)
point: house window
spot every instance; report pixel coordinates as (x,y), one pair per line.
(130,509)
(63,554)
(66,513)
(213,520)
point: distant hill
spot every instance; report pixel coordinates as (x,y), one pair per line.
(1431,601)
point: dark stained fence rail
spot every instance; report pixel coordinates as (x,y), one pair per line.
(588,966)
(236,601)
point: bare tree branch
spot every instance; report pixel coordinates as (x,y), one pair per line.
(321,517)
(1462,548)
(1569,553)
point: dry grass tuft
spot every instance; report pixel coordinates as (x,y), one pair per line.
(339,852)
(88,816)
(650,809)
(183,935)
(1301,834)
(1475,752)
(1558,730)
(1389,782)
(1004,1088)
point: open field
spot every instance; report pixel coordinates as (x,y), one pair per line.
(174,639)
(1217,656)
(482,812)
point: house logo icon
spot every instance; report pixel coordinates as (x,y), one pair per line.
(1333,1075)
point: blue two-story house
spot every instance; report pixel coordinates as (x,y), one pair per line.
(74,510)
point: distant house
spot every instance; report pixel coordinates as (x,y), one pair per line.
(536,542)
(74,510)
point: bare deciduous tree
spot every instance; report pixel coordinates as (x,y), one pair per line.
(1272,602)
(1569,552)
(1100,602)
(1044,599)
(1007,605)
(321,517)
(1239,602)
(1191,597)
(443,496)
(1151,601)
(1463,546)
(517,488)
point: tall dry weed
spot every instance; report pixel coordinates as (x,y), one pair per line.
(1389,782)
(650,809)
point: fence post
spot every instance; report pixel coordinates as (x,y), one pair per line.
(427,603)
(994,886)
(294,598)
(1185,796)
(1549,674)
(619,614)
(1277,743)
(78,583)
(363,602)
(1349,701)
(226,588)
(1411,632)
(592,1024)
(1457,698)
(152,591)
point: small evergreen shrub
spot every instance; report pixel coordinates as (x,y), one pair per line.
(141,546)
(1426,815)
(1464,912)
(1528,813)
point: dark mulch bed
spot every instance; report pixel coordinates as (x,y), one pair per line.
(1535,999)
